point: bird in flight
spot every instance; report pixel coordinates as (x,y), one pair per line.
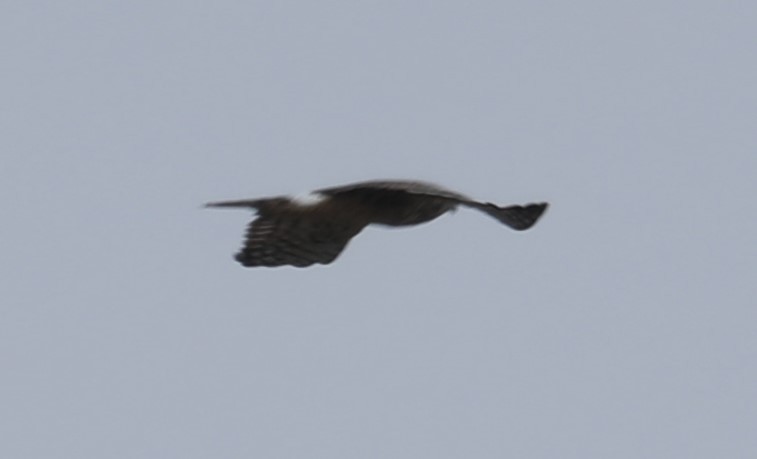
(315,228)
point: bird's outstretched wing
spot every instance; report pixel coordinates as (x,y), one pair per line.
(388,186)
(297,238)
(516,217)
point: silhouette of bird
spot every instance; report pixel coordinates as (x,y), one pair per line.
(315,228)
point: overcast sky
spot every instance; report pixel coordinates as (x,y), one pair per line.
(621,326)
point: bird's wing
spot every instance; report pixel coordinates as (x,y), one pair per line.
(400,186)
(295,238)
(516,217)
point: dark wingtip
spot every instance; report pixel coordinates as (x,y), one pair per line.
(529,215)
(519,218)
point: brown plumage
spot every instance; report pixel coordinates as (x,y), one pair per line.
(316,228)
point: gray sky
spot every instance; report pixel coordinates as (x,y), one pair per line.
(621,326)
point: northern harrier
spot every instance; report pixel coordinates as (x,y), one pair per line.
(316,228)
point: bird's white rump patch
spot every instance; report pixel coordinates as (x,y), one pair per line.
(308,199)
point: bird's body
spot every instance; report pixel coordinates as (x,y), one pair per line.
(315,228)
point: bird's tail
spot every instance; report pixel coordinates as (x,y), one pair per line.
(250,203)
(516,217)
